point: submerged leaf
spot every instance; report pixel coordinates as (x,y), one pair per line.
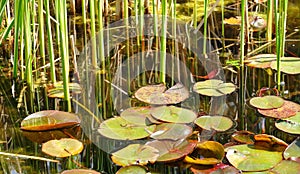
(267,102)
(62,148)
(214,87)
(218,123)
(243,137)
(57,91)
(173,114)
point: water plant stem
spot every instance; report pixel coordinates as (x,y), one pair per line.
(163,42)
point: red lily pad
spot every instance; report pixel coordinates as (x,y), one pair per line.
(158,95)
(134,154)
(120,129)
(173,114)
(267,102)
(172,150)
(171,131)
(288,109)
(139,115)
(218,123)
(290,125)
(62,148)
(49,120)
(252,158)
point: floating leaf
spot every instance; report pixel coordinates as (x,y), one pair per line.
(270,142)
(293,150)
(288,65)
(135,169)
(290,125)
(233,21)
(251,158)
(287,167)
(81,171)
(267,102)
(288,109)
(49,120)
(139,115)
(243,137)
(62,148)
(261,61)
(171,131)
(120,129)
(214,87)
(218,168)
(135,154)
(173,114)
(172,150)
(218,123)
(57,91)
(156,94)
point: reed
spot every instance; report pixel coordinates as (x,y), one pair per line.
(163,42)
(205,26)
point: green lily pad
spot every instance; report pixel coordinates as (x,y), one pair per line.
(293,150)
(132,170)
(173,114)
(62,148)
(288,109)
(81,171)
(57,90)
(252,158)
(135,154)
(49,120)
(171,131)
(172,150)
(287,167)
(158,95)
(267,102)
(139,116)
(214,87)
(218,123)
(245,137)
(288,65)
(120,129)
(290,125)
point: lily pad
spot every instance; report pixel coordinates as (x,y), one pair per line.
(251,158)
(49,120)
(290,125)
(260,60)
(270,142)
(81,171)
(293,150)
(245,137)
(288,109)
(135,169)
(62,148)
(158,95)
(120,129)
(287,166)
(135,154)
(267,102)
(139,116)
(57,90)
(288,65)
(218,123)
(214,87)
(171,131)
(216,169)
(172,150)
(173,114)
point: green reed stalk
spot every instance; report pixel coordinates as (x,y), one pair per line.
(141,36)
(173,6)
(270,20)
(93,34)
(206,3)
(41,31)
(64,50)
(127,44)
(2,8)
(163,42)
(223,26)
(242,67)
(155,31)
(50,43)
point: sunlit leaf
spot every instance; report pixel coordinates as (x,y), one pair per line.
(260,60)
(290,125)
(62,148)
(216,169)
(214,87)
(233,21)
(158,95)
(171,131)
(270,142)
(243,137)
(288,65)
(251,158)
(172,150)
(49,120)
(293,150)
(173,114)
(287,167)
(135,169)
(139,115)
(135,154)
(267,102)
(218,123)
(120,129)
(288,109)
(81,171)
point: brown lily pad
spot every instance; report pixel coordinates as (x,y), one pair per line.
(49,120)
(62,148)
(218,168)
(288,109)
(158,95)
(245,137)
(270,142)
